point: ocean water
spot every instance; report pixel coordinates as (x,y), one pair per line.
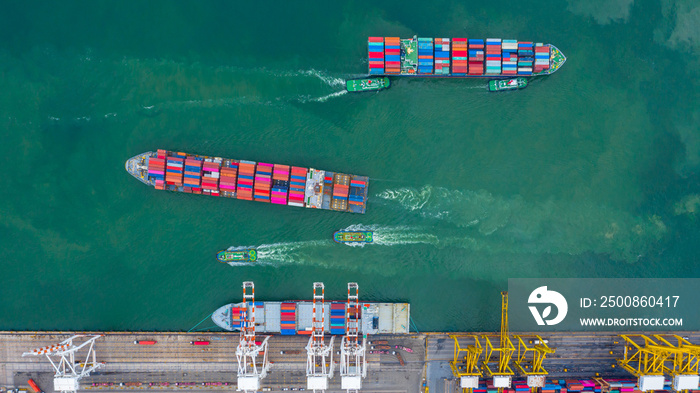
(590,172)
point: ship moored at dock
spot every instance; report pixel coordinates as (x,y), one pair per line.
(296,317)
(461,57)
(252,181)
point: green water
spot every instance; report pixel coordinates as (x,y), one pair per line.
(590,172)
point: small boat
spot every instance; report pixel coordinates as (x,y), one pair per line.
(507,84)
(367,84)
(353,236)
(240,255)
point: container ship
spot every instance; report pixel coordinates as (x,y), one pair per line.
(296,317)
(252,181)
(461,57)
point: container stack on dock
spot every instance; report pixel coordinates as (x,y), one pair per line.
(297,183)
(425,56)
(193,175)
(493,56)
(210,177)
(337,318)
(526,56)
(392,55)
(228,178)
(541,57)
(442,56)
(476,57)
(509,50)
(288,318)
(459,56)
(280,184)
(246,178)
(376,55)
(263,182)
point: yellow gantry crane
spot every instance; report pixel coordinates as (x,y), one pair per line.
(465,364)
(498,366)
(682,364)
(529,359)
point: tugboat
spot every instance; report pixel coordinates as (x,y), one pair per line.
(239,255)
(508,84)
(353,236)
(367,84)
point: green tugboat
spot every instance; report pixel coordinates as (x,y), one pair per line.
(240,255)
(367,84)
(353,237)
(507,84)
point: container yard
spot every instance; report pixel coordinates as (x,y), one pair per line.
(251,181)
(582,363)
(461,57)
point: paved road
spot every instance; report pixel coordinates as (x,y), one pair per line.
(174,360)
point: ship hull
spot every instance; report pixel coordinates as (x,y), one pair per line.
(296,317)
(252,181)
(241,256)
(353,237)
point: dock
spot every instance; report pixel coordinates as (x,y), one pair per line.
(173,360)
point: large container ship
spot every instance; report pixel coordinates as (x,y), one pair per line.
(461,57)
(296,317)
(252,181)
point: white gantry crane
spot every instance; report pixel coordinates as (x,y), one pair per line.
(250,371)
(62,356)
(319,356)
(353,364)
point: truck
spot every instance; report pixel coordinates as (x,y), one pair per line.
(288,352)
(399,357)
(145,342)
(34,386)
(199,342)
(379,342)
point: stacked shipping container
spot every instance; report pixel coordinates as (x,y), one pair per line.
(156,170)
(459,56)
(280,184)
(337,318)
(173,171)
(357,192)
(193,172)
(509,61)
(476,57)
(376,55)
(541,57)
(297,185)
(340,195)
(288,318)
(263,182)
(442,56)
(246,177)
(425,56)
(236,316)
(228,176)
(210,177)
(526,56)
(392,55)
(493,56)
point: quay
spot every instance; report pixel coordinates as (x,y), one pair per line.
(173,360)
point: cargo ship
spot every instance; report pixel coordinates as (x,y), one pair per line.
(296,317)
(461,57)
(367,84)
(353,236)
(252,181)
(237,255)
(507,84)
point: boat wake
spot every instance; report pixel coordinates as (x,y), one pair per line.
(324,98)
(496,224)
(282,253)
(393,235)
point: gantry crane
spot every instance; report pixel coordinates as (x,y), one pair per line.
(319,356)
(250,371)
(682,365)
(499,367)
(530,358)
(644,358)
(465,364)
(68,371)
(353,363)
